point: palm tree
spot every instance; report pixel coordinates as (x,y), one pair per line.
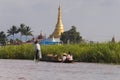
(27,32)
(2,34)
(12,31)
(2,37)
(21,30)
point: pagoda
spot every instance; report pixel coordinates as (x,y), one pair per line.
(59,29)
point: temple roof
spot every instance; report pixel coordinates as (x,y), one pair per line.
(41,36)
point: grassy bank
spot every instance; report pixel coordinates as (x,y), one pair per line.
(17,52)
(95,52)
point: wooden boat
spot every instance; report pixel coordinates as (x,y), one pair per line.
(67,61)
(55,58)
(52,58)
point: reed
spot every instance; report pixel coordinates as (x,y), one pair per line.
(17,52)
(84,52)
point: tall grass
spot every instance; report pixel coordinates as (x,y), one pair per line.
(95,52)
(17,52)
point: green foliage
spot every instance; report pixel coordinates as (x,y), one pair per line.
(91,52)
(12,31)
(2,38)
(17,52)
(25,30)
(71,36)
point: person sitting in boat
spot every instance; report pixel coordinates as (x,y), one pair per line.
(69,57)
(64,57)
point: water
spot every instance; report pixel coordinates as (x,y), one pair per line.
(30,70)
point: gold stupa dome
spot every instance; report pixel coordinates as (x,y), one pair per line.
(59,29)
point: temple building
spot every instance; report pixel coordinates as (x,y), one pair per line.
(41,36)
(113,39)
(54,38)
(59,29)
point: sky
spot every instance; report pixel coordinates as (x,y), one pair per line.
(96,20)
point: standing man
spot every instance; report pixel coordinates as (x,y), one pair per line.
(38,54)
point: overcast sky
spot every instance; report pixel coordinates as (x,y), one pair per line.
(96,20)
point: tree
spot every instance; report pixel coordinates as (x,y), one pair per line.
(28,32)
(12,31)
(2,38)
(71,36)
(25,30)
(21,30)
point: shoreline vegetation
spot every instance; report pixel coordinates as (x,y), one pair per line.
(107,52)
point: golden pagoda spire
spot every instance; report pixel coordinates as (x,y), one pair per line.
(59,29)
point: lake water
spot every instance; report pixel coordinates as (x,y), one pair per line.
(30,70)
